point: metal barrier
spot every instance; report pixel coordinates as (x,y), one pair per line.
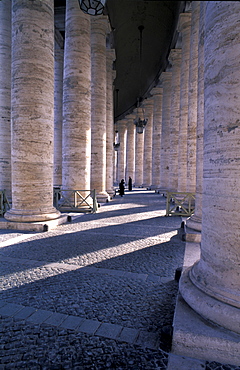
(69,200)
(180,204)
(4,203)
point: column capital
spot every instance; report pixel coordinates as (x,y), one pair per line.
(175,55)
(184,21)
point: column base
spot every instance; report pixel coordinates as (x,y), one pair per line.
(196,338)
(103,197)
(111,193)
(19,215)
(195,223)
(191,235)
(34,226)
(210,308)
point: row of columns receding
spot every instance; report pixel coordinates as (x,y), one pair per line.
(190,143)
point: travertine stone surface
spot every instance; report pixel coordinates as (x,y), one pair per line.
(122,132)
(147,154)
(195,222)
(166,78)
(156,139)
(130,165)
(109,122)
(175,59)
(76,100)
(212,286)
(5,96)
(58,118)
(99,29)
(32,111)
(139,146)
(192,99)
(184,26)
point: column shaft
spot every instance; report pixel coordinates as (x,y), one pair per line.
(165,137)
(130,165)
(185,29)
(5,96)
(99,27)
(32,111)
(122,130)
(109,123)
(76,100)
(147,155)
(175,59)
(156,138)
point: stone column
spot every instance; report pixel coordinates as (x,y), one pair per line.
(139,146)
(76,100)
(5,97)
(184,27)
(99,28)
(165,137)
(157,93)
(192,99)
(32,111)
(110,124)
(211,286)
(147,154)
(58,117)
(175,59)
(130,165)
(122,130)
(195,221)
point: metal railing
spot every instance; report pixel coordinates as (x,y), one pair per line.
(4,203)
(180,204)
(69,200)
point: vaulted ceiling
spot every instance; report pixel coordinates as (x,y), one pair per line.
(141,56)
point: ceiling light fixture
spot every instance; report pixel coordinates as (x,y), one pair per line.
(92,7)
(140,120)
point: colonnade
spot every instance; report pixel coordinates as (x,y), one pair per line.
(195,146)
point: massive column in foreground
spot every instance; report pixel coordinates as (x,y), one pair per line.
(156,138)
(147,155)
(5,96)
(32,111)
(185,29)
(99,28)
(76,100)
(212,286)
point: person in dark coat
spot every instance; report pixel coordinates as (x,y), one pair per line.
(130,183)
(121,188)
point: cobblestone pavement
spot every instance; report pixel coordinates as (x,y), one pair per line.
(96,293)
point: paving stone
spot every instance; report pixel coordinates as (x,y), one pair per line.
(2,303)
(108,330)
(39,316)
(89,326)
(128,335)
(71,322)
(148,340)
(10,309)
(24,313)
(56,319)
